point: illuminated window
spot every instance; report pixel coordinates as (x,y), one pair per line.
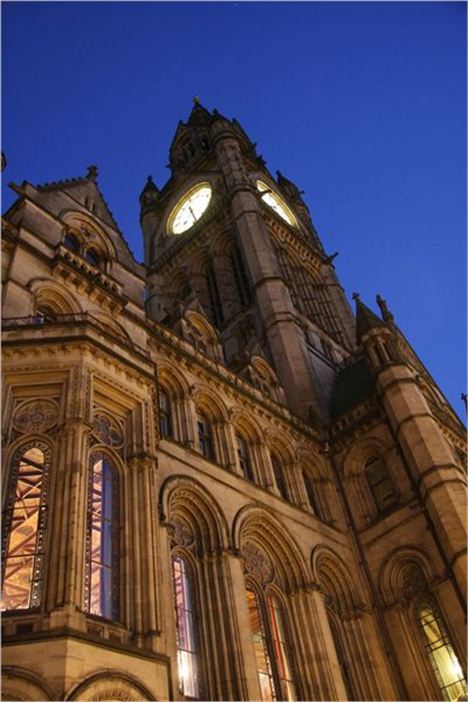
(439,650)
(272,655)
(24,525)
(187,643)
(279,477)
(165,414)
(102,582)
(244,458)
(380,484)
(205,442)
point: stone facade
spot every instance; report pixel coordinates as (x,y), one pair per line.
(217,421)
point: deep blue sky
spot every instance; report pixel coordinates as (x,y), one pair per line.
(363,105)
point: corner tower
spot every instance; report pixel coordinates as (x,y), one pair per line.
(224,238)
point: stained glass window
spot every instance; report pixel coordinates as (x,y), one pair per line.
(165,414)
(442,657)
(102,582)
(281,648)
(244,458)
(24,526)
(187,644)
(380,484)
(262,656)
(205,442)
(279,477)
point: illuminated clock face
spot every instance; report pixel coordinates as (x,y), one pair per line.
(276,203)
(190,208)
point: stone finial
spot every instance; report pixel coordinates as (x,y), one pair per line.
(356,297)
(386,314)
(196,100)
(92,173)
(464,400)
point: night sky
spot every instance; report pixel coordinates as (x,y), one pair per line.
(362,105)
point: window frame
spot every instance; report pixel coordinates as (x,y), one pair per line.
(205,438)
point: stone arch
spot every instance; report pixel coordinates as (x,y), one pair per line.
(354,461)
(255,525)
(186,499)
(246,425)
(173,381)
(110,685)
(404,571)
(312,461)
(209,402)
(200,323)
(333,575)
(110,323)
(277,444)
(21,684)
(88,232)
(51,294)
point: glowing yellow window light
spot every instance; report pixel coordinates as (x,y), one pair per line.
(276,203)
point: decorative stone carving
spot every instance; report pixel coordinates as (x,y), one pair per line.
(412,581)
(183,534)
(256,563)
(35,416)
(107,431)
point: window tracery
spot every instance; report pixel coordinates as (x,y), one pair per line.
(24,527)
(380,484)
(102,577)
(35,416)
(205,437)
(245,461)
(269,627)
(186,628)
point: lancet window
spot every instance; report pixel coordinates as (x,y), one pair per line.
(310,490)
(213,295)
(240,277)
(380,484)
(186,628)
(279,476)
(243,454)
(269,628)
(440,652)
(24,527)
(205,439)
(102,581)
(165,414)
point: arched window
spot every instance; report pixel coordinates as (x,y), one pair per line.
(340,654)
(240,277)
(102,581)
(205,441)
(24,526)
(244,458)
(271,645)
(439,650)
(93,257)
(279,477)
(165,414)
(380,484)
(71,242)
(187,629)
(310,490)
(214,298)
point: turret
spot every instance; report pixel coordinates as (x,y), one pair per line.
(149,201)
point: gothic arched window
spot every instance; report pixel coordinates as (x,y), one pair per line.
(205,440)
(24,526)
(310,490)
(440,652)
(340,654)
(243,454)
(165,414)
(240,277)
(102,581)
(269,628)
(380,484)
(93,257)
(279,476)
(186,628)
(214,298)
(71,242)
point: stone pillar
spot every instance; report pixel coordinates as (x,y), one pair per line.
(321,677)
(430,461)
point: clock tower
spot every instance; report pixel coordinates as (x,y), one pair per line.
(224,237)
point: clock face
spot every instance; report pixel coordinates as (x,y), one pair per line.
(190,208)
(276,203)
